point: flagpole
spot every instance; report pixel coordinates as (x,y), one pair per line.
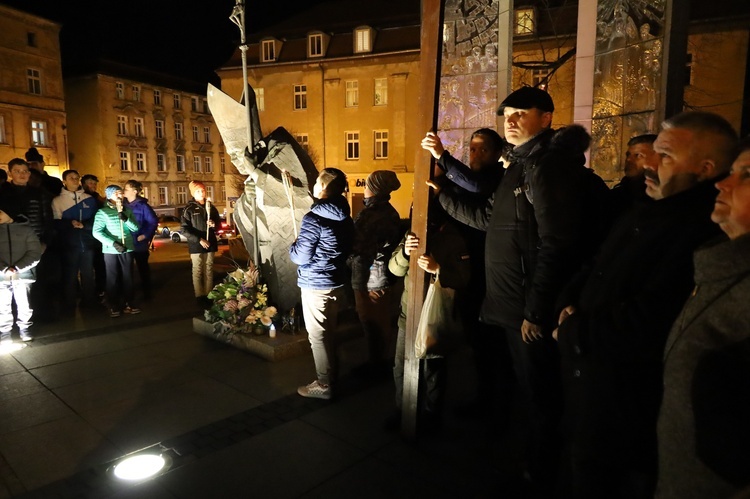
(238,18)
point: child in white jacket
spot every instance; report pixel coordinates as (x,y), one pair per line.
(20,252)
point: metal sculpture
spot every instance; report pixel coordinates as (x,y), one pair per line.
(271,207)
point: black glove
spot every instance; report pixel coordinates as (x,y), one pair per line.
(123,216)
(119,247)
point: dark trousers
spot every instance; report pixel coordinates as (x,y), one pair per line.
(537,369)
(144,272)
(100,273)
(119,269)
(432,379)
(495,375)
(75,262)
(45,292)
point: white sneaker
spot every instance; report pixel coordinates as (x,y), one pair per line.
(316,391)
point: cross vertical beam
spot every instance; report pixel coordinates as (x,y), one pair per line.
(429,73)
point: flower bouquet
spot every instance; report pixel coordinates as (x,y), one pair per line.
(240,303)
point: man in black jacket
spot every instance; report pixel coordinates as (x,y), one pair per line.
(534,241)
(617,315)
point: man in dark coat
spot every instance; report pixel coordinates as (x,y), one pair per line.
(377,230)
(631,190)
(534,225)
(474,183)
(617,315)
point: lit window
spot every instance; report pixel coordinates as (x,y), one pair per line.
(194,104)
(176,101)
(196,164)
(161,162)
(260,99)
(138,127)
(136,93)
(39,133)
(140,161)
(2,130)
(163,195)
(124,161)
(362,40)
(300,97)
(223,193)
(178,131)
(157,97)
(159,129)
(34,79)
(268,51)
(196,135)
(525,24)
(122,125)
(539,78)
(145,192)
(303,140)
(223,164)
(180,163)
(210,192)
(207,135)
(689,69)
(381,144)
(182,194)
(381,91)
(315,45)
(208,164)
(352,93)
(119,90)
(352,145)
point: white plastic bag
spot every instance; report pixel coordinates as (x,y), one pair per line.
(439,329)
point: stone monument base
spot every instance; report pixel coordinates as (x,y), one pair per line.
(285,345)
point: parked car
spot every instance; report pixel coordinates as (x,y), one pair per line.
(167,225)
(223,234)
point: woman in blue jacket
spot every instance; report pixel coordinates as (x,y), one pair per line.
(325,241)
(147,223)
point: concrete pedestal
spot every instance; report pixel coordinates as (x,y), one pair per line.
(284,346)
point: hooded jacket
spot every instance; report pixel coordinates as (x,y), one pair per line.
(535,227)
(19,248)
(324,243)
(69,206)
(147,223)
(195,226)
(377,232)
(108,228)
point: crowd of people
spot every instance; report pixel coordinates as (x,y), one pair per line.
(611,320)
(65,246)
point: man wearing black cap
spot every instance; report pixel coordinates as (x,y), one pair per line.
(534,225)
(52,185)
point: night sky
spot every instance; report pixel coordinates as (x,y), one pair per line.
(185,38)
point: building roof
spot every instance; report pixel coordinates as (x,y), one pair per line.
(396,25)
(133,73)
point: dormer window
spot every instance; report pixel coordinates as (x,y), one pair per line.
(268,51)
(363,40)
(525,22)
(315,45)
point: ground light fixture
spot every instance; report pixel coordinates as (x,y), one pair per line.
(140,465)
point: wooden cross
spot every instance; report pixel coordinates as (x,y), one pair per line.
(429,71)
